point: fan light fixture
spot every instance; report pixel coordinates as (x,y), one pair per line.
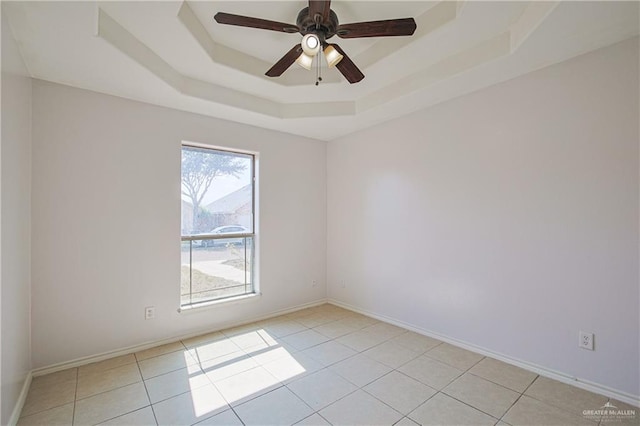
(305,61)
(332,56)
(310,44)
(317,23)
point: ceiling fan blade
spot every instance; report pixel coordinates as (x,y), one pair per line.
(387,28)
(246,21)
(285,62)
(319,7)
(346,66)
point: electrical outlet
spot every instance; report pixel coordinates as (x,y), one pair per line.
(149,312)
(586,341)
(314,283)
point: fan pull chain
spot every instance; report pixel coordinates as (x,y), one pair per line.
(318,75)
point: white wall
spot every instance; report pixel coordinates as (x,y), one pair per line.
(507,218)
(106,221)
(15,225)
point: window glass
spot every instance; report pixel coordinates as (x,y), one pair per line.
(217,199)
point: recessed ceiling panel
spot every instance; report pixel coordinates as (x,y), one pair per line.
(174,54)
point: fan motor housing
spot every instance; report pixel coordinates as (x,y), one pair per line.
(324,30)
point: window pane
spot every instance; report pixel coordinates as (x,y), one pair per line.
(220,268)
(217,191)
(217,201)
(185,272)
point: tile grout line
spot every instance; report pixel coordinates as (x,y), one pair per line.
(221,394)
(441,391)
(519,397)
(336,401)
(107,390)
(232,408)
(420,405)
(562,409)
(75,397)
(128,412)
(383,402)
(322,417)
(144,383)
(469,405)
(499,384)
(328,405)
(237,416)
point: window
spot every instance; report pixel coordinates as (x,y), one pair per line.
(218,232)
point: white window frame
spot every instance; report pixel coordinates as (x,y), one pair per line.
(252,235)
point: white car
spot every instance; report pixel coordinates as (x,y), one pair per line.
(227,229)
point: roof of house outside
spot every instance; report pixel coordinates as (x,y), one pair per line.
(233,201)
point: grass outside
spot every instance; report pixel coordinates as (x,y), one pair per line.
(206,287)
(237,263)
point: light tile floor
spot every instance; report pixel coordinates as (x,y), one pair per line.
(318,366)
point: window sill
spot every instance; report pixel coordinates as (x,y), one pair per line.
(199,307)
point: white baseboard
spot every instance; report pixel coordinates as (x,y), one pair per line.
(538,369)
(79,362)
(543,371)
(17,409)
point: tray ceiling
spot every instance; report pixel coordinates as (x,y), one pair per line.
(173,54)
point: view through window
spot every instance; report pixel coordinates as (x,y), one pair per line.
(217,225)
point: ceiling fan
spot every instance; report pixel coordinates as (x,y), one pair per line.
(317,23)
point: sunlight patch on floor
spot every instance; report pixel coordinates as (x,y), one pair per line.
(238,367)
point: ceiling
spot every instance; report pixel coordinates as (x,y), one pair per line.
(174,54)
